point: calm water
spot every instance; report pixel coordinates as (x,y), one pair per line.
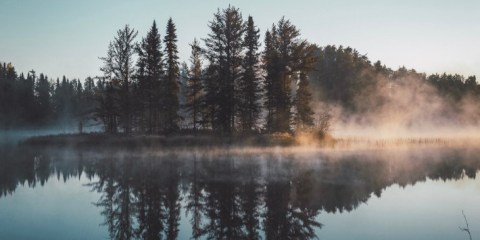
(374,194)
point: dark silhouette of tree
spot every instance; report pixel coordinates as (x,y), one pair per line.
(224,46)
(117,200)
(454,88)
(343,76)
(8,94)
(270,59)
(88,103)
(304,116)
(249,84)
(150,75)
(26,98)
(251,202)
(195,92)
(222,207)
(118,68)
(150,208)
(107,109)
(183,112)
(172,201)
(276,210)
(42,93)
(195,200)
(212,92)
(171,84)
(285,55)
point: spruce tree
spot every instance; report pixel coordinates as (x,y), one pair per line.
(42,94)
(27,98)
(150,74)
(249,87)
(195,86)
(88,104)
(170,85)
(270,68)
(224,46)
(8,103)
(119,69)
(304,117)
(285,56)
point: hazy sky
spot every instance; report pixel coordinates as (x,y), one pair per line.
(60,37)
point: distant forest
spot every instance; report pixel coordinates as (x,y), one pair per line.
(233,83)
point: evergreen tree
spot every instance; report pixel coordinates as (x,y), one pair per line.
(89,91)
(195,86)
(26,98)
(150,73)
(58,101)
(285,56)
(106,109)
(182,96)
(212,93)
(77,99)
(343,74)
(270,59)
(224,46)
(170,85)
(249,87)
(8,106)
(304,117)
(42,94)
(118,68)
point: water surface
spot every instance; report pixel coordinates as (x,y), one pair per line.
(409,193)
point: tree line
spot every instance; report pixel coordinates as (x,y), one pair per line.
(229,85)
(226,86)
(35,101)
(347,78)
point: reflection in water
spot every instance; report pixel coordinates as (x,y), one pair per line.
(231,195)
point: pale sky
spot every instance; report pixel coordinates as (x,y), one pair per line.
(62,37)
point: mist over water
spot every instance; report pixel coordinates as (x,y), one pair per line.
(301,193)
(261,134)
(409,107)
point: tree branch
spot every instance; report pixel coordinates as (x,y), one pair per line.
(467,228)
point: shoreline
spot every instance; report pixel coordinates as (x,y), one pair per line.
(210,141)
(89,140)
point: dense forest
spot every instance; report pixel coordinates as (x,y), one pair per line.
(233,83)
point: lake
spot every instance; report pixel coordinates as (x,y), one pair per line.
(273,193)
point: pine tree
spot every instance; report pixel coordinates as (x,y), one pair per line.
(42,94)
(270,59)
(27,98)
(303,98)
(285,56)
(210,100)
(224,46)
(170,85)
(8,106)
(285,35)
(118,68)
(195,86)
(249,87)
(150,74)
(183,113)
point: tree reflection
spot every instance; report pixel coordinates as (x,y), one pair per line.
(116,184)
(150,212)
(228,196)
(172,197)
